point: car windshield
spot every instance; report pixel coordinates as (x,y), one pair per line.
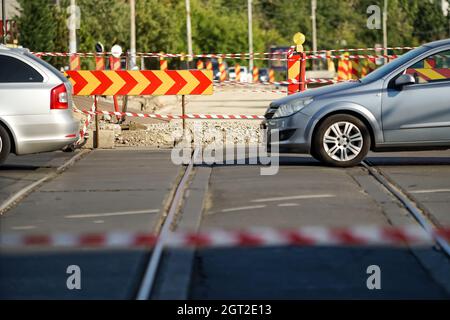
(394,64)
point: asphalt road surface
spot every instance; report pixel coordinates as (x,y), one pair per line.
(131,190)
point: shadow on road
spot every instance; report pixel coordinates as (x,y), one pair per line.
(18,167)
(105,274)
(409,161)
(306,160)
(311,273)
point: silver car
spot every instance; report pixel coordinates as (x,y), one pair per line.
(404,105)
(35,105)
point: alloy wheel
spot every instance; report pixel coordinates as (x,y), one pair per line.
(343,141)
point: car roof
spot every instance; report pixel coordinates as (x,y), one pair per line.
(19,50)
(438,43)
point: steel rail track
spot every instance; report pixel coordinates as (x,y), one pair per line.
(410,205)
(148,281)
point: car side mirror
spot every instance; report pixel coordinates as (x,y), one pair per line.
(404,80)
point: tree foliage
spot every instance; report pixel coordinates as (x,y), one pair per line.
(221,25)
(36,24)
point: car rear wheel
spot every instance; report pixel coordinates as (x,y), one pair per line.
(5,144)
(342,140)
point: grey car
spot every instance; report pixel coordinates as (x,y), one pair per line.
(404,105)
(35,105)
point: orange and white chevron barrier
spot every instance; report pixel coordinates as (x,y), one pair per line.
(209,65)
(356,69)
(293,73)
(344,68)
(99,62)
(271,76)
(255,74)
(144,82)
(367,67)
(200,65)
(223,71)
(330,64)
(114,63)
(254,237)
(430,74)
(74,62)
(237,71)
(162,63)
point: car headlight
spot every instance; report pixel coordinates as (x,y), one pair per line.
(290,108)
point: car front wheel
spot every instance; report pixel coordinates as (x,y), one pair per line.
(5,144)
(342,141)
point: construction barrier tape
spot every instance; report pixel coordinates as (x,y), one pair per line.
(171,117)
(86,123)
(275,83)
(254,237)
(244,55)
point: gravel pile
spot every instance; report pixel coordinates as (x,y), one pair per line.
(205,132)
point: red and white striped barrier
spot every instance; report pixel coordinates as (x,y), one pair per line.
(362,49)
(86,123)
(218,56)
(209,55)
(255,237)
(323,81)
(171,116)
(275,83)
(259,91)
(351,56)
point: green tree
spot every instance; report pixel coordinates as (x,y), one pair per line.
(221,25)
(105,21)
(429,22)
(36,24)
(158,25)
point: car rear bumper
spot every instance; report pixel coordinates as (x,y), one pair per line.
(43,133)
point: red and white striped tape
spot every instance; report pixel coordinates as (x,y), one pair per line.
(275,83)
(325,81)
(171,117)
(255,237)
(361,49)
(244,56)
(268,56)
(86,123)
(255,90)
(351,56)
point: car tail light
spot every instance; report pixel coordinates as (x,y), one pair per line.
(59,98)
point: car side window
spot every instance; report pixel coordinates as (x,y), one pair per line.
(13,70)
(432,69)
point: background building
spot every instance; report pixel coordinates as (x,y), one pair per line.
(445,6)
(11,9)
